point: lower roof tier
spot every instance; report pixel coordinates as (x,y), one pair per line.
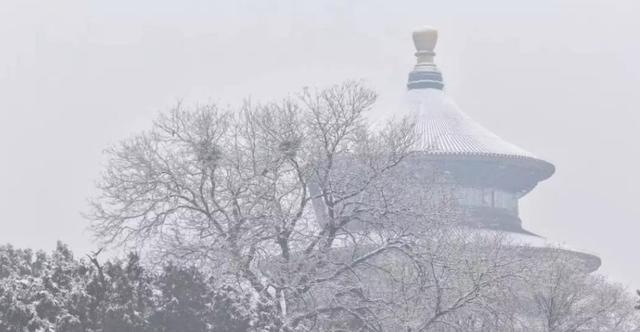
(540,245)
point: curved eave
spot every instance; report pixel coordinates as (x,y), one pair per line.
(541,168)
(535,243)
(589,262)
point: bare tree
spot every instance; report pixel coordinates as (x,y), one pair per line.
(509,287)
(565,299)
(338,226)
(285,198)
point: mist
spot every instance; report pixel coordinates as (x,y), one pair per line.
(556,79)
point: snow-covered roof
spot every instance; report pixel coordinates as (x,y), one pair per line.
(442,127)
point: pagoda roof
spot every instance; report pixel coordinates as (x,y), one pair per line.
(442,128)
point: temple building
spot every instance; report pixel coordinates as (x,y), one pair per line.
(487,174)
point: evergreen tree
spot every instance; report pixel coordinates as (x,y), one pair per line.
(184,302)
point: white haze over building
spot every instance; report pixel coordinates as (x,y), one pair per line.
(559,80)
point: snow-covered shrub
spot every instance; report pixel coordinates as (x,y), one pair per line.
(58,292)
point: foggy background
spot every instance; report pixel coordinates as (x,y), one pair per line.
(558,78)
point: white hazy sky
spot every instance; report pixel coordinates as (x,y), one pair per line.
(559,78)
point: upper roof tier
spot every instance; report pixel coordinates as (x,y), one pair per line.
(442,128)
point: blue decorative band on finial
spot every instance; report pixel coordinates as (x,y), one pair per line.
(425,80)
